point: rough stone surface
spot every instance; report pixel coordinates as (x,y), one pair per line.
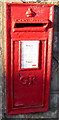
(54,93)
(49,114)
(53,101)
(0,63)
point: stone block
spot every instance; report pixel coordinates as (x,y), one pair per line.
(10,1)
(53,101)
(54,75)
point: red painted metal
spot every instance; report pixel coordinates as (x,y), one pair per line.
(27,89)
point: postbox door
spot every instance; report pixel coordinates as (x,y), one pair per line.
(29,72)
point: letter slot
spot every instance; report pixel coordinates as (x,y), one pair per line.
(30,27)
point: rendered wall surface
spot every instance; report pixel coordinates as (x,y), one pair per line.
(54,93)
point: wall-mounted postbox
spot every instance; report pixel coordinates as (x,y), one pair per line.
(29,31)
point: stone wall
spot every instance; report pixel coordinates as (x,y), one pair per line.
(54,91)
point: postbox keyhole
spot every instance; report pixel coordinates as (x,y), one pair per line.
(19,74)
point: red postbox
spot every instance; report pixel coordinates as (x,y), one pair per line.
(29,31)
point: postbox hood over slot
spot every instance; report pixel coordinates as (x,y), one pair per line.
(32,20)
(17,26)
